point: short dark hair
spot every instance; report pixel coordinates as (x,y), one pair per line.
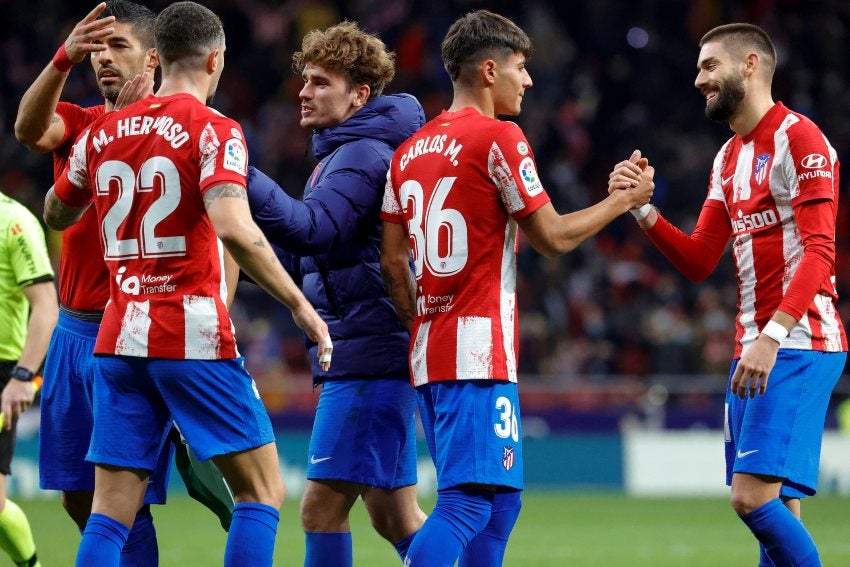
(739,37)
(360,57)
(140,18)
(481,35)
(186,30)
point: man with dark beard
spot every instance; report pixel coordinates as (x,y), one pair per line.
(774,191)
(118,39)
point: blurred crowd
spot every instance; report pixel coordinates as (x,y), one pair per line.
(609,76)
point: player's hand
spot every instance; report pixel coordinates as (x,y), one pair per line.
(17,396)
(310,322)
(135,89)
(753,370)
(641,194)
(80,41)
(627,173)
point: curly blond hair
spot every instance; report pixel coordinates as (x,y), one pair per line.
(362,58)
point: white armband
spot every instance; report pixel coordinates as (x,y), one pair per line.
(642,212)
(775,331)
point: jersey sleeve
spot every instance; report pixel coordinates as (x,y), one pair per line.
(695,255)
(76,119)
(811,166)
(222,153)
(28,253)
(510,164)
(72,186)
(391,208)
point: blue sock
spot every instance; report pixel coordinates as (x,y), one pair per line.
(783,536)
(326,549)
(403,545)
(250,540)
(141,549)
(459,515)
(102,542)
(488,547)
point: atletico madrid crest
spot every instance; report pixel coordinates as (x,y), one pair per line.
(508,457)
(761,168)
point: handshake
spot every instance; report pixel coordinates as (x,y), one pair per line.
(634,177)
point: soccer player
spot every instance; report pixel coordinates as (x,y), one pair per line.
(166,176)
(455,194)
(773,189)
(28,313)
(118,37)
(364,441)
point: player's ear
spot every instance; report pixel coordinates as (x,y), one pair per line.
(212,61)
(488,71)
(361,95)
(151,59)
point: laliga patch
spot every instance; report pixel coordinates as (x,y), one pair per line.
(522,148)
(235,156)
(530,180)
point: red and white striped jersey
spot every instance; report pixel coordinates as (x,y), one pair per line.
(147,167)
(784,162)
(83,277)
(457,184)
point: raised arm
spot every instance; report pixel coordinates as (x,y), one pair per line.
(552,234)
(37,125)
(227,207)
(395,269)
(695,255)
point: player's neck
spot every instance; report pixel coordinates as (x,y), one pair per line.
(752,111)
(184,84)
(479,100)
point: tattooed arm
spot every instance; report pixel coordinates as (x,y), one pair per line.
(58,215)
(395,269)
(227,208)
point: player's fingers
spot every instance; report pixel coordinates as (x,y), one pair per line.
(635,156)
(96,11)
(88,27)
(326,348)
(642,163)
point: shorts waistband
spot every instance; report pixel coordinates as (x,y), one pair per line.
(88,316)
(69,323)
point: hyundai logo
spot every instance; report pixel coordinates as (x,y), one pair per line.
(813,161)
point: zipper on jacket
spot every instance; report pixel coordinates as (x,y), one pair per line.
(326,281)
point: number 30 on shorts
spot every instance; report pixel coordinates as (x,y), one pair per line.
(507,426)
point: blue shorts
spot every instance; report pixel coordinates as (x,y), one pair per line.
(365,432)
(214,402)
(779,434)
(473,432)
(67,418)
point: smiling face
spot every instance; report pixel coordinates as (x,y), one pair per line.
(720,81)
(124,58)
(512,79)
(326,98)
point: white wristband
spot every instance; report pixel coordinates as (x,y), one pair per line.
(775,331)
(642,212)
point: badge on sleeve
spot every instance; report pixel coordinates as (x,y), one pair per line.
(529,176)
(235,156)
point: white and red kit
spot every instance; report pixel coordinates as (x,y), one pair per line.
(775,191)
(147,167)
(83,277)
(457,185)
